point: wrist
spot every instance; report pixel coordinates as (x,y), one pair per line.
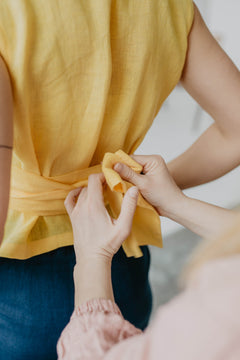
(90,269)
(92,279)
(93,260)
(174,208)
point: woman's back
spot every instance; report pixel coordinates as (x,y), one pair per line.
(87,77)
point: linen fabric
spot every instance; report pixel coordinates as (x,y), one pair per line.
(201,323)
(88,77)
(146,223)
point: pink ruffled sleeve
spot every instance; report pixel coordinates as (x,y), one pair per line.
(94,328)
(201,323)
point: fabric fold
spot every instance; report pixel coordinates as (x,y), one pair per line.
(95,87)
(44,196)
(146,228)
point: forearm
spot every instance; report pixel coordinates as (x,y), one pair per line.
(92,279)
(212,79)
(211,156)
(202,218)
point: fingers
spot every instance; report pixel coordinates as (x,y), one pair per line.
(142,159)
(149,162)
(70,200)
(128,209)
(128,174)
(95,187)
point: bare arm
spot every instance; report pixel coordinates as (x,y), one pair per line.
(97,330)
(97,237)
(159,189)
(213,81)
(6,142)
(202,218)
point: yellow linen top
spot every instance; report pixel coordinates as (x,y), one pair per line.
(88,78)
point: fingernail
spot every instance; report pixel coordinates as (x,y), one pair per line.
(117,167)
(133,191)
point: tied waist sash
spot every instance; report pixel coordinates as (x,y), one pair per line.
(44,196)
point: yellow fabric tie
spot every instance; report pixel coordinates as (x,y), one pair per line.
(44,196)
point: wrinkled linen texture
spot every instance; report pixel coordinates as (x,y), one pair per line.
(88,78)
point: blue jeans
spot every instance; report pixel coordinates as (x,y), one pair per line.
(37,300)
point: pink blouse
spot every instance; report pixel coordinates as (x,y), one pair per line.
(201,323)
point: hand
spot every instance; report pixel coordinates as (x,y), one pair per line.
(95,233)
(155,184)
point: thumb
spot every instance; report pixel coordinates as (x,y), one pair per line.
(128,209)
(128,174)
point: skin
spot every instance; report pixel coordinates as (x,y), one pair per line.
(213,81)
(97,237)
(159,189)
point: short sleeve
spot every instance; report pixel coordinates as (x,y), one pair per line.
(189,14)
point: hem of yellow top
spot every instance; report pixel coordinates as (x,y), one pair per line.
(37,247)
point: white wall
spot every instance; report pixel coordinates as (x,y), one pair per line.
(174,129)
